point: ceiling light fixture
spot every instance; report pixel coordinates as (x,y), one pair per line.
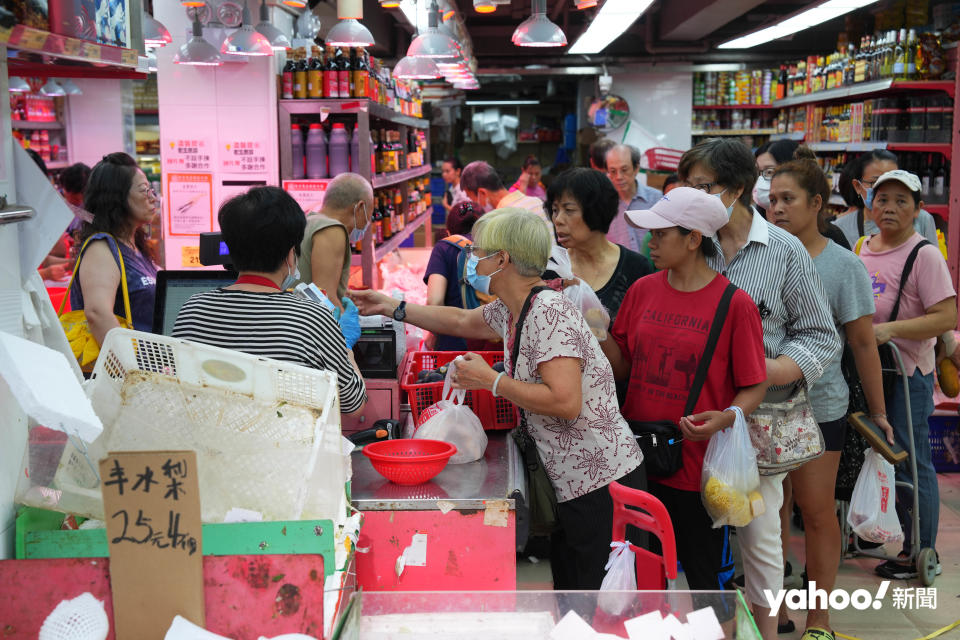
(389,4)
(797,22)
(585,4)
(52,89)
(499,103)
(154,33)
(431,43)
(413,68)
(278,39)
(349,31)
(18,85)
(449,13)
(538,30)
(192,3)
(71,87)
(614,17)
(296,4)
(198,51)
(484,6)
(245,41)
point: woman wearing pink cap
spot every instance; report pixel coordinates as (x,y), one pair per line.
(659,338)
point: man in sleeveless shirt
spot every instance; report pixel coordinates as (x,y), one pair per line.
(325,250)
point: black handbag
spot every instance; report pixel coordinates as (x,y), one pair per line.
(661,441)
(541,496)
(888,364)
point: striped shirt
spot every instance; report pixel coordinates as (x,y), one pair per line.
(778,273)
(281,326)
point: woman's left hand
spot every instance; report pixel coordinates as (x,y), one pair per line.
(710,423)
(883,332)
(473,372)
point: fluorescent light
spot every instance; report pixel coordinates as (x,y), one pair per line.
(614,17)
(498,103)
(409,10)
(797,22)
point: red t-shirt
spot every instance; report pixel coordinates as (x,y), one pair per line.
(662,333)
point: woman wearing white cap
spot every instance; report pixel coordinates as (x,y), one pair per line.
(660,336)
(928,307)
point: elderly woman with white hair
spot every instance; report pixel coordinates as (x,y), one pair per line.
(561,382)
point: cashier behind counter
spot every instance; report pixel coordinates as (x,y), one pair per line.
(263,229)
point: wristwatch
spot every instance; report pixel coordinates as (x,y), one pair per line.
(400,313)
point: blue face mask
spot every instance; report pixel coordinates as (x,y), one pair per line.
(868,201)
(730,208)
(357,234)
(474,279)
(291,279)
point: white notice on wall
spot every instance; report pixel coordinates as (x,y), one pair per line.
(184,153)
(189,203)
(243,156)
(308,193)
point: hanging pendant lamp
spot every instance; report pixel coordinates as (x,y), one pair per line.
(51,88)
(413,68)
(154,33)
(198,51)
(389,4)
(18,85)
(278,40)
(349,31)
(245,41)
(538,30)
(484,6)
(585,4)
(431,43)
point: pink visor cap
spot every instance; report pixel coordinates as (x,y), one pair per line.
(683,207)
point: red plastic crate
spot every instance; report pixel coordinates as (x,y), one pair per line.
(494,413)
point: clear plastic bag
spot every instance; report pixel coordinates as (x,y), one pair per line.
(580,294)
(728,485)
(873,513)
(621,576)
(450,420)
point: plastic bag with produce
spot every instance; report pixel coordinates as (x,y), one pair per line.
(450,420)
(580,293)
(730,479)
(873,513)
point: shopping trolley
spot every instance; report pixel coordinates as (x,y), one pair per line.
(654,572)
(925,558)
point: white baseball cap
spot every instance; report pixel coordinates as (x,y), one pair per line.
(683,207)
(907,179)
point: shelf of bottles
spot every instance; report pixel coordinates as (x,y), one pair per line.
(37,123)
(397,214)
(734,103)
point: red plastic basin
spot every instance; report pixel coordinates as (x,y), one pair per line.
(409,461)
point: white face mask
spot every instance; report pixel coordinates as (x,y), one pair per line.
(761,192)
(293,277)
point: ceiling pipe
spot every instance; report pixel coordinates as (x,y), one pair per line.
(654,50)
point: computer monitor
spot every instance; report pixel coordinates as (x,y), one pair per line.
(175,287)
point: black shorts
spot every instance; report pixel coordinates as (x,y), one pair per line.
(834,433)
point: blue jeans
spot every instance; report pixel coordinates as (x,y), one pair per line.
(921,408)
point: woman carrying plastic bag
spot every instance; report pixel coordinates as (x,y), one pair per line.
(450,420)
(730,478)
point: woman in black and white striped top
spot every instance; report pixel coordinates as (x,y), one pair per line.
(263,229)
(799,336)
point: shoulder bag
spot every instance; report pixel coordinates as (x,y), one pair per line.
(541,496)
(784,431)
(661,441)
(84,346)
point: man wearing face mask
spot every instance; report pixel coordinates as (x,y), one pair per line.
(340,223)
(263,229)
(483,185)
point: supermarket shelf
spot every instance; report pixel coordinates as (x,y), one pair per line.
(866,88)
(732,132)
(793,135)
(33,124)
(918,147)
(395,241)
(33,46)
(922,147)
(388,179)
(942,210)
(846,146)
(352,105)
(713,107)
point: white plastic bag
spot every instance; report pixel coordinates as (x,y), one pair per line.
(873,513)
(728,485)
(581,294)
(621,575)
(452,421)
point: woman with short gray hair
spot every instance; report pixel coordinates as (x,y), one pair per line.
(561,382)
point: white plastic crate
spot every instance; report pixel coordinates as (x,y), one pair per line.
(266,432)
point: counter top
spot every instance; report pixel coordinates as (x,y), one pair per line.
(499,476)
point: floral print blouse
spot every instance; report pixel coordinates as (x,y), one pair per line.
(597,447)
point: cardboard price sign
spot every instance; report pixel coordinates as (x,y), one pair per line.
(151,502)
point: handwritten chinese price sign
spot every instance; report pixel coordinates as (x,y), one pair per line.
(151,502)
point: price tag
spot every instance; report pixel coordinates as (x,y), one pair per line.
(91,51)
(33,39)
(190,257)
(151,503)
(129,57)
(5,35)
(72,47)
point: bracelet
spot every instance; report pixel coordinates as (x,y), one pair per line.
(496,381)
(878,415)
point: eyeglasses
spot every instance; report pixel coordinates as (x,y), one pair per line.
(703,186)
(471,249)
(147,191)
(869,184)
(768,172)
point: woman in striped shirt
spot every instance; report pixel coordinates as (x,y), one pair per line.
(263,229)
(799,337)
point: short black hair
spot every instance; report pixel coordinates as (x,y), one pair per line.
(531,161)
(730,160)
(669,180)
(74,178)
(592,190)
(707,248)
(781,150)
(598,151)
(454,162)
(480,175)
(260,227)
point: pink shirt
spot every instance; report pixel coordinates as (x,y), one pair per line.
(535,191)
(928,284)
